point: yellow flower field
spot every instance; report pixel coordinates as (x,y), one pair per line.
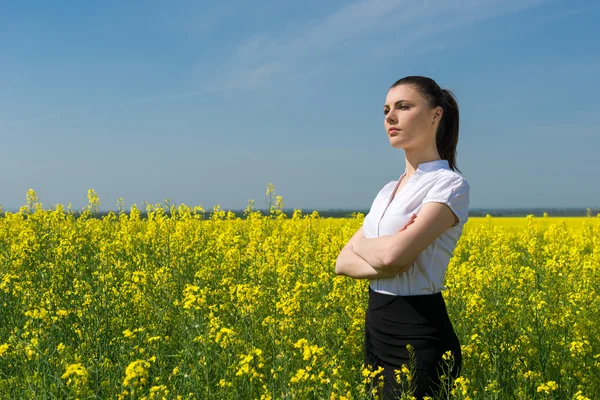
(187,305)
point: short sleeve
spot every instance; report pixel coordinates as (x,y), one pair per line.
(454,192)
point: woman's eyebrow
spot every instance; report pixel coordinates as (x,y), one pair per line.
(398,102)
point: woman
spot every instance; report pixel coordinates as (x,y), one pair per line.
(408,237)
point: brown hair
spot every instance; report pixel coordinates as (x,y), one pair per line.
(446,136)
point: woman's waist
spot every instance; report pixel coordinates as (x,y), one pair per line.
(405,285)
(415,309)
(422,297)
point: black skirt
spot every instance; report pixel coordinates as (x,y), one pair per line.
(392,322)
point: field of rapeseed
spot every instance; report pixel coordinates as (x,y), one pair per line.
(193,305)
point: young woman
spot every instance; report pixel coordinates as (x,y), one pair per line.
(408,237)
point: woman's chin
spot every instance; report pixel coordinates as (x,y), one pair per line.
(397,144)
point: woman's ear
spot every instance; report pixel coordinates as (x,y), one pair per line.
(437,115)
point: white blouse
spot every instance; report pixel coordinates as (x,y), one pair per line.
(432,181)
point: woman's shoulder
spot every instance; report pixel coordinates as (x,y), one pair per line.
(448,177)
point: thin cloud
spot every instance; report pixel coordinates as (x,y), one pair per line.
(164,96)
(354,29)
(361,30)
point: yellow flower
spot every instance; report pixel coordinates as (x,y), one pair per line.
(76,375)
(127,333)
(136,373)
(547,387)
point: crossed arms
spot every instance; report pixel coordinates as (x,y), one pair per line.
(390,255)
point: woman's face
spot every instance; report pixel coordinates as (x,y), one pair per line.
(409,122)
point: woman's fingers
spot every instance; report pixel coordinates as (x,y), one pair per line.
(404,227)
(410,221)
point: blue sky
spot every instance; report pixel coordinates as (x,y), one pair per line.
(207,102)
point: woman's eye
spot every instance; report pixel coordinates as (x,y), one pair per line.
(400,108)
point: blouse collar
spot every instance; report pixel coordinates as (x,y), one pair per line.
(429,166)
(433,165)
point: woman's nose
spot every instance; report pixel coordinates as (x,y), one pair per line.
(390,118)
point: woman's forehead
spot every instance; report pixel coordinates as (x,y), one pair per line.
(402,92)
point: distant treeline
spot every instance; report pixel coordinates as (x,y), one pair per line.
(478,212)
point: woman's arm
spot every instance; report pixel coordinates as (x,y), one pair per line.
(351,265)
(394,251)
(374,250)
